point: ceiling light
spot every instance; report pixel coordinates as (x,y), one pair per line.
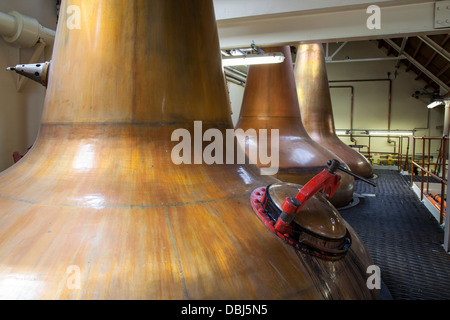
(391,133)
(435,104)
(250,59)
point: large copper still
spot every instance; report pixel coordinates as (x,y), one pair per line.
(270,102)
(316,108)
(97,209)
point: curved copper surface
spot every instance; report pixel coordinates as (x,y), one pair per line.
(316,109)
(97,209)
(270,102)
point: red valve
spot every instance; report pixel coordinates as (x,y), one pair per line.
(326,181)
(280,218)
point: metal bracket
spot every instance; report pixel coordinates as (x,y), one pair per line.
(442,14)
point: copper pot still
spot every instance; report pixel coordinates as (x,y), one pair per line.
(316,107)
(97,209)
(270,102)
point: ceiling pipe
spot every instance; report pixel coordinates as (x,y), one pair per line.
(24,31)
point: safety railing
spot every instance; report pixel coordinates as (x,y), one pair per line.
(399,155)
(430,168)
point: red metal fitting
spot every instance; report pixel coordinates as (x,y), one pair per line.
(17,156)
(284,228)
(289,207)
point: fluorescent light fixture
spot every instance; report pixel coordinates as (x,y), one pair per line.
(391,133)
(251,59)
(435,104)
(341,132)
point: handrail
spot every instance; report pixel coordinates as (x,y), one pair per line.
(425,166)
(398,151)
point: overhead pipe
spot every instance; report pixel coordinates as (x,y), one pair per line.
(24,31)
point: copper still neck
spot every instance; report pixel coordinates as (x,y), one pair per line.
(316,107)
(151,70)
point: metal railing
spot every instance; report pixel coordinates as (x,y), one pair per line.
(426,167)
(399,144)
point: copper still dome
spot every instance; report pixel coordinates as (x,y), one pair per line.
(97,209)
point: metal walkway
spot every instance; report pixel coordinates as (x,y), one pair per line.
(403,238)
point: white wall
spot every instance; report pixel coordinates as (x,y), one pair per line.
(20,112)
(371,99)
(236,93)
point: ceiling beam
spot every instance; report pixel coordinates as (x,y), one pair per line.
(429,74)
(348,23)
(444,53)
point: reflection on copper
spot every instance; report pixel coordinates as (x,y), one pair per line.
(97,209)
(316,109)
(270,102)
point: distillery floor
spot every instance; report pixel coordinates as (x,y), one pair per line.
(402,236)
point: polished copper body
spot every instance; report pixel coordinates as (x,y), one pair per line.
(316,109)
(270,102)
(97,209)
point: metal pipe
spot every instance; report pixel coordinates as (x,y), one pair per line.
(447,216)
(412,162)
(423,166)
(24,31)
(443,175)
(231,79)
(233,74)
(7,25)
(401,57)
(447,119)
(352,103)
(389,95)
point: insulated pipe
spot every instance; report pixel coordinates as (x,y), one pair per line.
(24,31)
(7,24)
